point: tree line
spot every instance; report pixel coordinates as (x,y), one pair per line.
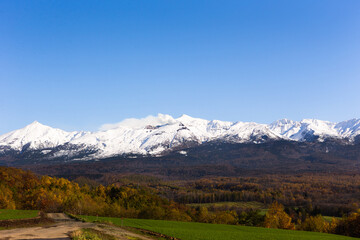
(21,189)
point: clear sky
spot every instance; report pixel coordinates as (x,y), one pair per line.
(77,65)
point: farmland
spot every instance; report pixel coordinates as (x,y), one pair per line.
(203,231)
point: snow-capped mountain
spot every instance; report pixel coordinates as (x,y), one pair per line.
(37,136)
(156,135)
(308,129)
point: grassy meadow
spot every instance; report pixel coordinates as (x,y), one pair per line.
(204,231)
(9,214)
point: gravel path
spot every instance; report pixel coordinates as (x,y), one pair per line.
(63,227)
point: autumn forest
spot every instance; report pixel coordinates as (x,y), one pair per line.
(311,202)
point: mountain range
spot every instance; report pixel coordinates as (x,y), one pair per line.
(156,136)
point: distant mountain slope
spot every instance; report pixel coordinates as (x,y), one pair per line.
(163,134)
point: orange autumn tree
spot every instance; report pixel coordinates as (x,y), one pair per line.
(276,217)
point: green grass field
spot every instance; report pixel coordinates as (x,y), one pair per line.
(204,231)
(7,214)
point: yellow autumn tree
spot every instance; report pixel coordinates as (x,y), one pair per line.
(315,224)
(204,215)
(226,217)
(276,217)
(6,198)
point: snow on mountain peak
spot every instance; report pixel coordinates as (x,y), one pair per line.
(156,134)
(35,128)
(285,127)
(191,120)
(283,121)
(35,136)
(36,124)
(185,116)
(349,128)
(319,127)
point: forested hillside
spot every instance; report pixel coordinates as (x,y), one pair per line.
(23,190)
(131,198)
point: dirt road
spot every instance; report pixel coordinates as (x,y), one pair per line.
(63,227)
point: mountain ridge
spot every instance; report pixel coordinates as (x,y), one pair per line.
(163,133)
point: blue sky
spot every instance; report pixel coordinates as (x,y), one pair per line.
(77,65)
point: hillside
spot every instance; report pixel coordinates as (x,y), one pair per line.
(151,198)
